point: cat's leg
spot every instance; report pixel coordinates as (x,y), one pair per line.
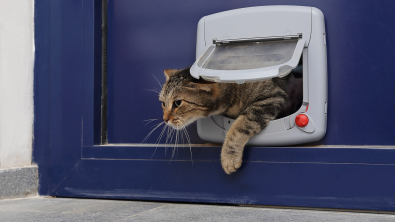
(252,121)
(236,138)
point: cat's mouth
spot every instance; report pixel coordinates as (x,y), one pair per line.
(176,123)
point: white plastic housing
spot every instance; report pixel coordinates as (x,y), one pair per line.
(267,22)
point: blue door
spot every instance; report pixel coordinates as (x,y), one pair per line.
(95,90)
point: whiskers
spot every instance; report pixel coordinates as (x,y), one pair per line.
(161,86)
(153,90)
(156,90)
(174,138)
(189,141)
(148,121)
(156,126)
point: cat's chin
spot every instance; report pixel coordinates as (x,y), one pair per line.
(175,127)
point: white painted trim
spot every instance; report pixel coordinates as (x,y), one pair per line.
(16,82)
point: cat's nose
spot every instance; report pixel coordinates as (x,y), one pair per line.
(166,116)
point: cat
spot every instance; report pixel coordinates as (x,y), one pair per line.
(186,99)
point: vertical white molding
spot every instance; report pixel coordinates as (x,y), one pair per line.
(16,82)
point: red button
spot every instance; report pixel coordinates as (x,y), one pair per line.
(301,120)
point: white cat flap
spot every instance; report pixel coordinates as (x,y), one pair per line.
(247,60)
(260,43)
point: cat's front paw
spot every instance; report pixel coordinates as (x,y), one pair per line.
(231,161)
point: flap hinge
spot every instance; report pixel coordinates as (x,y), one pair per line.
(262,39)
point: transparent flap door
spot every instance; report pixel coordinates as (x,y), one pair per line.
(246,61)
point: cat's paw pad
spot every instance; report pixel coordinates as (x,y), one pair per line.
(231,162)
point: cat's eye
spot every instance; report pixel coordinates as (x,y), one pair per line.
(163,104)
(177,103)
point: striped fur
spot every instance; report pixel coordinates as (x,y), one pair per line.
(253,105)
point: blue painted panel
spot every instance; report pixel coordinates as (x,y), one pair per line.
(353,186)
(92,62)
(146,37)
(62,67)
(41,91)
(65,85)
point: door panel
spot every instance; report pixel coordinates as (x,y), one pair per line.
(72,163)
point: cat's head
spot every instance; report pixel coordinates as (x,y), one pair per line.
(185,99)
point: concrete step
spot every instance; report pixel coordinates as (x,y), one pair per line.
(72,209)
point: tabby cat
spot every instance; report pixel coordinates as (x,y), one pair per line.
(253,105)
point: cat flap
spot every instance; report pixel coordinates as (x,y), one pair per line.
(247,60)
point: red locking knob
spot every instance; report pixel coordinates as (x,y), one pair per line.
(301,120)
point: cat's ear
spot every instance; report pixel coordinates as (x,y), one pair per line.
(169,72)
(202,85)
